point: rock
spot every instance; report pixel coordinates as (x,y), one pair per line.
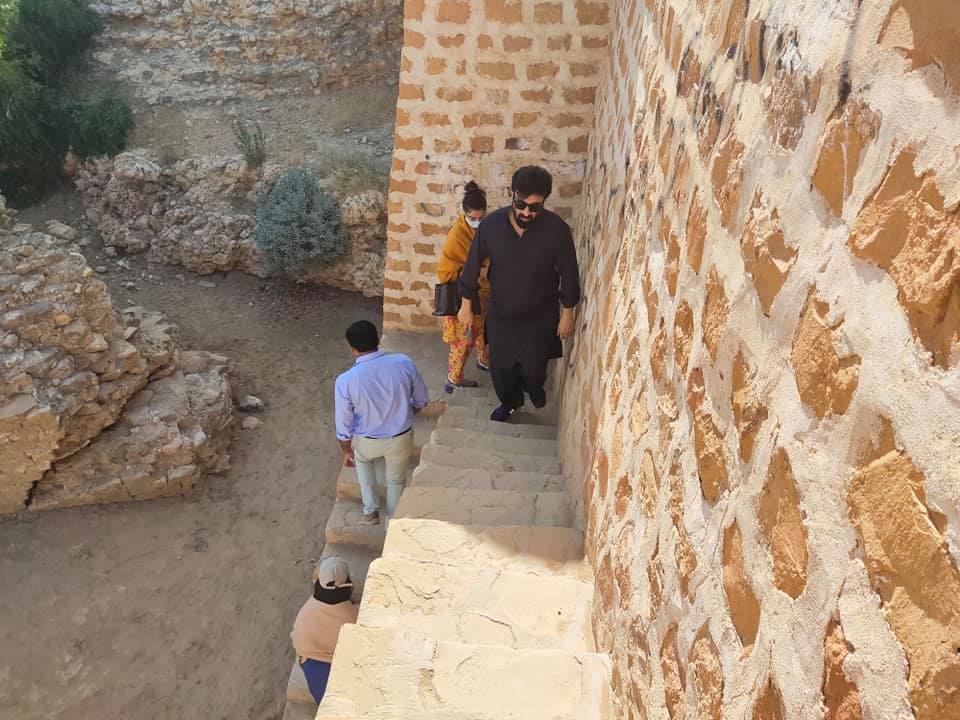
(251,403)
(110,252)
(251,423)
(206,284)
(101,268)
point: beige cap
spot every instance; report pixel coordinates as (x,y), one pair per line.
(334,573)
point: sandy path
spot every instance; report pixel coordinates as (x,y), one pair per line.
(180,608)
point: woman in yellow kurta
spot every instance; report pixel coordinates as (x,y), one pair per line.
(452,257)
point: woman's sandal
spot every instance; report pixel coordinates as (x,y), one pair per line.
(449,387)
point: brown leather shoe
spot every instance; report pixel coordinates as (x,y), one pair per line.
(371,519)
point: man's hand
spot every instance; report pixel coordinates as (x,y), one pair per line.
(465,316)
(567,324)
(348,459)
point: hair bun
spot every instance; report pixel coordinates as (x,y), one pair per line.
(472,187)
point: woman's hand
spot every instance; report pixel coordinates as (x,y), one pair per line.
(465,316)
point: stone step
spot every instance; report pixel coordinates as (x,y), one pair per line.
(524,549)
(297,689)
(380,674)
(489,460)
(342,527)
(300,711)
(526,416)
(489,400)
(510,429)
(358,558)
(486,507)
(428,475)
(479,605)
(494,443)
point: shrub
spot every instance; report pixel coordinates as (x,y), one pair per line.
(43,43)
(298,224)
(352,170)
(253,146)
(98,125)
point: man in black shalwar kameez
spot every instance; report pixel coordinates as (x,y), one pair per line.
(535,286)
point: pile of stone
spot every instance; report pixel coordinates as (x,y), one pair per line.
(96,406)
(200,213)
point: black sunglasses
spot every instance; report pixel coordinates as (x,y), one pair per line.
(532,207)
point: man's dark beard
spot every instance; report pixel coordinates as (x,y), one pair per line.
(522,223)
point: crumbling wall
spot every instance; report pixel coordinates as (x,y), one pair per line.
(96,406)
(761,410)
(485,87)
(181,51)
(201,213)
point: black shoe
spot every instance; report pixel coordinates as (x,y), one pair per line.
(538,397)
(501,414)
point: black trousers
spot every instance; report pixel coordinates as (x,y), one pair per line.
(510,383)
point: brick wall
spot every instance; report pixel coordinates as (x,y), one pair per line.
(485,87)
(761,405)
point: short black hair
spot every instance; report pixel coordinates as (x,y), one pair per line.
(362,336)
(532,180)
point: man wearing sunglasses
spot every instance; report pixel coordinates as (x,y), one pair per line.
(534,288)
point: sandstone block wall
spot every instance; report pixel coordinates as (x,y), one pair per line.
(96,406)
(761,409)
(200,50)
(485,87)
(201,213)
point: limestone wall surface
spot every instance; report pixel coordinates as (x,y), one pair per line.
(95,405)
(485,87)
(762,407)
(175,51)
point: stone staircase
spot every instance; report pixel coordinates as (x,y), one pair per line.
(476,600)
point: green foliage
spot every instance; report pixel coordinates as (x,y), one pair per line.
(42,46)
(253,146)
(352,170)
(298,225)
(98,125)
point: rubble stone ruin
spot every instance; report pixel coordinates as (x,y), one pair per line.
(96,405)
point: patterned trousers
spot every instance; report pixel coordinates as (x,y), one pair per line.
(460,342)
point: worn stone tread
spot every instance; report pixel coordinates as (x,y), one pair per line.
(481,479)
(498,460)
(480,605)
(486,507)
(342,527)
(379,674)
(507,429)
(493,443)
(525,416)
(297,689)
(537,550)
(300,711)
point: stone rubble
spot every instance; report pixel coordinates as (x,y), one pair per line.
(200,213)
(71,367)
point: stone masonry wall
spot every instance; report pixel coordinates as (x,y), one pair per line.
(197,50)
(763,402)
(485,87)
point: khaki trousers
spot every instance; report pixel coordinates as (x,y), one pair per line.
(395,454)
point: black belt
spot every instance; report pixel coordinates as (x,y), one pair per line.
(399,434)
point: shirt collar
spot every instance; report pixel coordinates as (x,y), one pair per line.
(369,356)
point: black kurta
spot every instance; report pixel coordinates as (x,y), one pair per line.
(530,277)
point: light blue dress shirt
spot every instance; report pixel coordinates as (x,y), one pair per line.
(376,397)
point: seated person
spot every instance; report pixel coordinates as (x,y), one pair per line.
(318,623)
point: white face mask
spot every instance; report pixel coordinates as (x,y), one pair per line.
(473,222)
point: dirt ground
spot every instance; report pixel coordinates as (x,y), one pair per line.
(181,608)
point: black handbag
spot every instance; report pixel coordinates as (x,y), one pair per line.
(446,299)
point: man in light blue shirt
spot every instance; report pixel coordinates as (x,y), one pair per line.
(375,402)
